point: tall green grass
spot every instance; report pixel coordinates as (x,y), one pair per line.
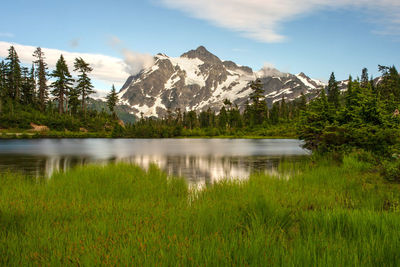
(323,215)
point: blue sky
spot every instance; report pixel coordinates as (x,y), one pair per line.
(312,36)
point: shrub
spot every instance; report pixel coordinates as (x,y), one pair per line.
(391,170)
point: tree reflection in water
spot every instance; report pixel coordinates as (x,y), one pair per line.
(196,169)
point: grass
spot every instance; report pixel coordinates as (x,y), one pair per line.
(324,215)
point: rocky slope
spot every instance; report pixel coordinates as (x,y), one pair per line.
(198,80)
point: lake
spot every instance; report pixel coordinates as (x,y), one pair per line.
(198,160)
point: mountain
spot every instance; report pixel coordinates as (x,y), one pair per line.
(198,80)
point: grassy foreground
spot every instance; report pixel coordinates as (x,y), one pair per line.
(324,215)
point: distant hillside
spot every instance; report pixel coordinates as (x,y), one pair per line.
(123,111)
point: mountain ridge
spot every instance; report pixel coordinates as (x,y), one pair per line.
(199,80)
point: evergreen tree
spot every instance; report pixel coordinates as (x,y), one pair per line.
(235,118)
(204,119)
(27,87)
(350,93)
(247,114)
(212,117)
(274,113)
(314,121)
(62,85)
(13,74)
(228,103)
(73,100)
(283,109)
(373,85)
(222,118)
(228,108)
(389,87)
(259,106)
(179,118)
(191,119)
(3,88)
(84,86)
(112,100)
(333,92)
(33,83)
(364,77)
(303,102)
(41,78)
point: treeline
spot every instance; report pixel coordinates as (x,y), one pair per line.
(255,119)
(364,118)
(35,95)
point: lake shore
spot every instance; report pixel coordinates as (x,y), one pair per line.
(326,213)
(55,134)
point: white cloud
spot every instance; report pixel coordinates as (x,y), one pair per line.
(269,70)
(105,68)
(135,62)
(262,19)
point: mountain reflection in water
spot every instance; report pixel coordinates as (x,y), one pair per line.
(200,161)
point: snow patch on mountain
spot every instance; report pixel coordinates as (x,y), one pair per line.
(305,81)
(152,110)
(190,67)
(171,82)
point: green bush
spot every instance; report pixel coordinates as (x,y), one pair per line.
(391,170)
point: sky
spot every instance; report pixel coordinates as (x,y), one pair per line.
(119,38)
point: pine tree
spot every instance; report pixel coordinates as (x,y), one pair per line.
(62,85)
(314,121)
(13,74)
(112,100)
(247,114)
(33,83)
(259,106)
(283,109)
(204,119)
(192,119)
(212,118)
(350,93)
(303,102)
(228,103)
(274,113)
(179,119)
(235,118)
(364,78)
(84,86)
(222,118)
(3,88)
(27,87)
(333,92)
(389,87)
(41,78)
(73,100)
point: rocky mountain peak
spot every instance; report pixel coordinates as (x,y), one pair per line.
(301,74)
(203,54)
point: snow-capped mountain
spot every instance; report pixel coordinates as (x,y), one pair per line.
(198,80)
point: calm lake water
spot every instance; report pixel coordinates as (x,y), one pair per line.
(198,160)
